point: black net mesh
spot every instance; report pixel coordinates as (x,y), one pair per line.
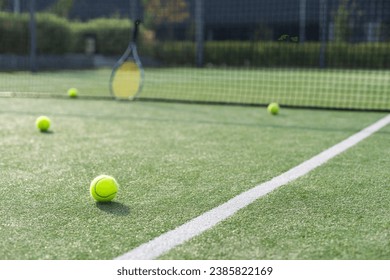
(304,53)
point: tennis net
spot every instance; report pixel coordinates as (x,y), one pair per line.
(300,53)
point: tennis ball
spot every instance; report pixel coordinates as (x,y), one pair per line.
(273,108)
(72,92)
(42,123)
(104,188)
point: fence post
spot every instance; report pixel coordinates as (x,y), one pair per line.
(33,38)
(302,21)
(199,32)
(16,6)
(323,24)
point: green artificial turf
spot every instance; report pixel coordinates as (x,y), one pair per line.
(173,162)
(339,211)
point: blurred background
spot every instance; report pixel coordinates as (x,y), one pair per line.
(304,53)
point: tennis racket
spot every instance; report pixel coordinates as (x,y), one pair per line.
(127,74)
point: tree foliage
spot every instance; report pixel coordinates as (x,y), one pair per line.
(158,12)
(344,17)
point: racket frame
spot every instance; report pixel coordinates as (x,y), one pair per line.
(131,49)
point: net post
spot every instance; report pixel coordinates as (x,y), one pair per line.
(199,32)
(33,38)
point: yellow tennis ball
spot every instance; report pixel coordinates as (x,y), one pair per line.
(72,92)
(43,123)
(273,108)
(104,188)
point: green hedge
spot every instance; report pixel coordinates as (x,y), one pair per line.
(112,35)
(262,54)
(53,34)
(57,35)
(14,32)
(170,53)
(274,54)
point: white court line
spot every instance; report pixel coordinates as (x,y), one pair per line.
(196,226)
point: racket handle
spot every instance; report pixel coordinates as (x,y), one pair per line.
(135,33)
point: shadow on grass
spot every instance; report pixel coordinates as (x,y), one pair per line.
(47,132)
(114,208)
